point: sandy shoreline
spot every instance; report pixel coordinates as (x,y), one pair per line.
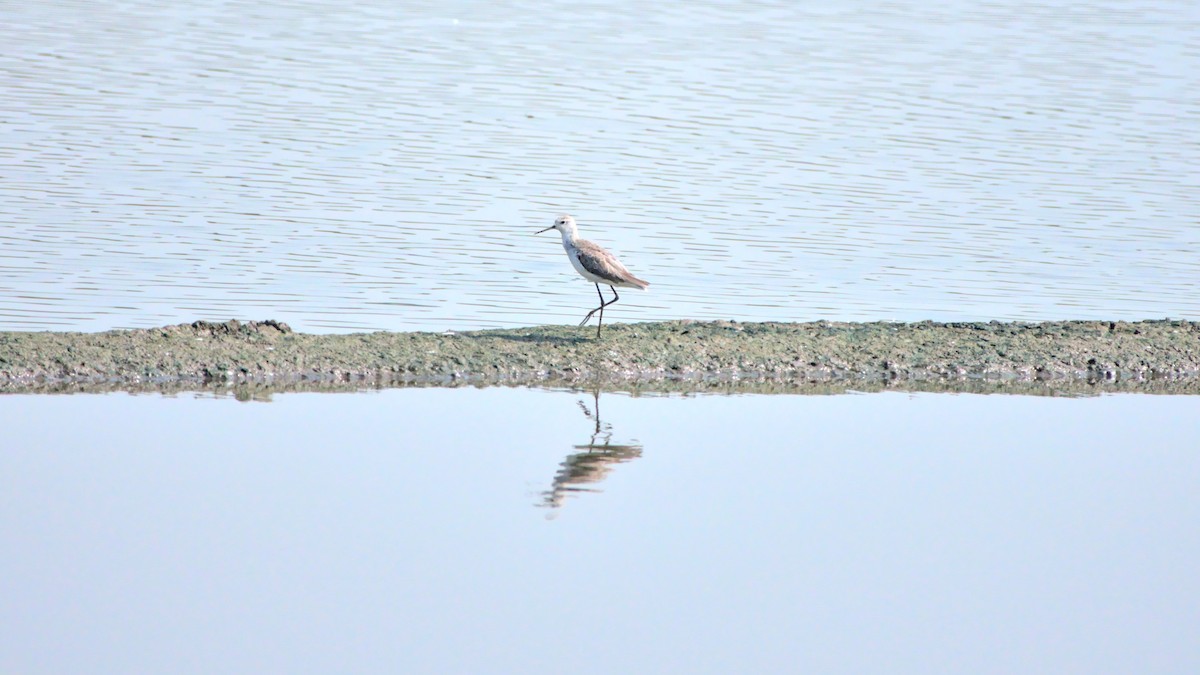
(668,356)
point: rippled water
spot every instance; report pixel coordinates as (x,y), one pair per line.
(345,166)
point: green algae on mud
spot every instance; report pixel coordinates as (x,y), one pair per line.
(666,356)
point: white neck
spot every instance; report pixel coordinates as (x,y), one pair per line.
(568,236)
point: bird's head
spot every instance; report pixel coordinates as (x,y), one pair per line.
(563,223)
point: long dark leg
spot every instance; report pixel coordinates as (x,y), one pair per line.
(600,309)
(603,305)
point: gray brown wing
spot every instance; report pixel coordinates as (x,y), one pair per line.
(602,263)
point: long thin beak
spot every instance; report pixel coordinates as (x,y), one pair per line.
(545,230)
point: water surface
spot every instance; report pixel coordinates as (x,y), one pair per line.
(896,533)
(370,165)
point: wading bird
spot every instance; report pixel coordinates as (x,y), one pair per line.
(595,264)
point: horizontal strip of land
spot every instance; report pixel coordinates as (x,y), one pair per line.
(1070,356)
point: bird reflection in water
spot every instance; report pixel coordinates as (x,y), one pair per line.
(591,462)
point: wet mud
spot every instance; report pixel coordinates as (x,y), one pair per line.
(677,356)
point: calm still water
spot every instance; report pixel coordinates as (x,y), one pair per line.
(380,165)
(364,533)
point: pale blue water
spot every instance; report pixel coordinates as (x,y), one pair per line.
(405,531)
(373,165)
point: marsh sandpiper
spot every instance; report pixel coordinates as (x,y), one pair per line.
(595,264)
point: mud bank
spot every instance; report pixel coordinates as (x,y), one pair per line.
(668,356)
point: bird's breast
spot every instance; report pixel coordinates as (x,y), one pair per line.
(573,256)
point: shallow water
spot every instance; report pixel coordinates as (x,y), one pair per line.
(363,533)
(365,166)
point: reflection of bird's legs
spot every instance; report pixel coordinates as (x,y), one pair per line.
(607,430)
(607,427)
(588,414)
